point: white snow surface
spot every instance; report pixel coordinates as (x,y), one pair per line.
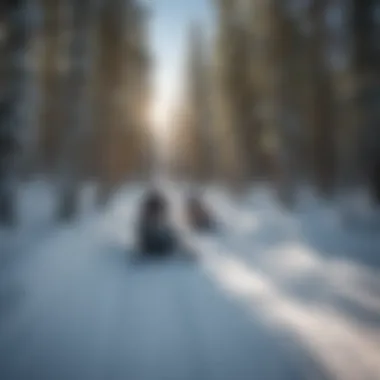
(273,295)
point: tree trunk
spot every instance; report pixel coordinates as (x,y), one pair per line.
(13,20)
(74,147)
(321,113)
(365,27)
(53,74)
(112,149)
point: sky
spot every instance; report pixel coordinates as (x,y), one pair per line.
(168,33)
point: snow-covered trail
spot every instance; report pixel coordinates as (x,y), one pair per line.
(81,310)
(327,303)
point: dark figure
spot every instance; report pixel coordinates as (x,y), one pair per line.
(156,237)
(198,216)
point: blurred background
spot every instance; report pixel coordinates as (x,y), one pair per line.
(270,107)
(284,92)
(106,92)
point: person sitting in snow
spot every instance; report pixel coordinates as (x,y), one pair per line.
(198,216)
(155,235)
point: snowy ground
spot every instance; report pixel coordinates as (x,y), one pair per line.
(273,296)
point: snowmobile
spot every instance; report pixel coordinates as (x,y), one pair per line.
(156,239)
(156,235)
(198,216)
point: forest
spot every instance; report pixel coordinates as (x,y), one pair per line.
(74,97)
(285,93)
(189,190)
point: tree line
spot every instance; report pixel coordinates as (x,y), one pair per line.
(74,97)
(292,96)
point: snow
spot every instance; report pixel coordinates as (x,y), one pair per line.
(274,294)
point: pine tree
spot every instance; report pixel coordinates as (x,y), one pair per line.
(280,59)
(138,69)
(197,100)
(232,113)
(365,28)
(53,74)
(30,103)
(121,88)
(73,145)
(321,106)
(13,43)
